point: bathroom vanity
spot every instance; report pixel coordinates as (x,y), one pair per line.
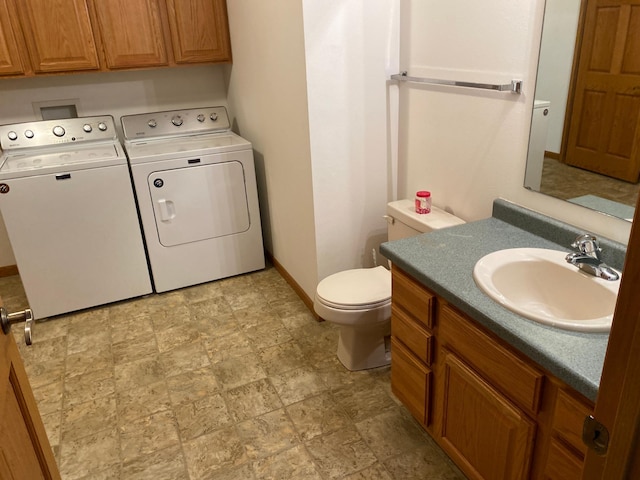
(503,396)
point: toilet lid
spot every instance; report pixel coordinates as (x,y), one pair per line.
(356,288)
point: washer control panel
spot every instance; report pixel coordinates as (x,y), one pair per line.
(190,121)
(54,132)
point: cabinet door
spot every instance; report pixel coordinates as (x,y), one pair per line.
(485,434)
(58,35)
(10,61)
(199,30)
(131,33)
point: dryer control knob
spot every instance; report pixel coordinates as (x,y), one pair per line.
(214,116)
(102,127)
(12,135)
(28,133)
(200,118)
(87,128)
(152,123)
(58,131)
(177,120)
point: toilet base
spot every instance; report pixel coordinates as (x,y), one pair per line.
(361,349)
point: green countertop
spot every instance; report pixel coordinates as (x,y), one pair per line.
(443,261)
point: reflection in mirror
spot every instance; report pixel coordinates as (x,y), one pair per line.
(584,145)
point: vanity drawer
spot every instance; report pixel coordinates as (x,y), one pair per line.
(412,334)
(410,382)
(568,418)
(562,464)
(409,295)
(501,367)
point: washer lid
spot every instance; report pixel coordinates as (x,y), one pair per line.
(357,287)
(28,162)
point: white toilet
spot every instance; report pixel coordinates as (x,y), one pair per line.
(359,300)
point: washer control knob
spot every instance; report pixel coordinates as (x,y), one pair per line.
(214,116)
(12,135)
(152,123)
(28,133)
(177,120)
(102,127)
(58,131)
(87,128)
(200,118)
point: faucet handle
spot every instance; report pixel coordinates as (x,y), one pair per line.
(587,244)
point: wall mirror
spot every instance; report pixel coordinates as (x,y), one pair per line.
(584,145)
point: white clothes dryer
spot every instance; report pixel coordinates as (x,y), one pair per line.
(68,206)
(197,196)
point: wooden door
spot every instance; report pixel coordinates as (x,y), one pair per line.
(58,34)
(618,401)
(604,115)
(25,452)
(131,33)
(10,60)
(199,30)
(502,443)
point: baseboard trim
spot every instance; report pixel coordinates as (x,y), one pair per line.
(8,271)
(290,280)
(554,155)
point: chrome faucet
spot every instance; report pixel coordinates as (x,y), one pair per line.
(588,259)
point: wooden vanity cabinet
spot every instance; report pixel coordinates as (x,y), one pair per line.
(412,345)
(566,450)
(496,413)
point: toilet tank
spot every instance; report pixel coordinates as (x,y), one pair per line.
(403,221)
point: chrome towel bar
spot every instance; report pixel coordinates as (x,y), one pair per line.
(514,87)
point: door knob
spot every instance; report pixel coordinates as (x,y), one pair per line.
(7,319)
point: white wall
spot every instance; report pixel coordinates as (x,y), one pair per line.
(307,87)
(466,146)
(114,93)
(346,51)
(268,96)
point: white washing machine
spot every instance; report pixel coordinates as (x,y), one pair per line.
(197,196)
(67,202)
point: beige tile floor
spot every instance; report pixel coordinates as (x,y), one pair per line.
(232,379)
(565,182)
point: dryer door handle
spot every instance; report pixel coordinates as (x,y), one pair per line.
(167,210)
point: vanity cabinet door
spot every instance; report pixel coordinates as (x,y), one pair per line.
(484,433)
(131,33)
(58,35)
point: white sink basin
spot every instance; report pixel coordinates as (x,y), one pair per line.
(540,285)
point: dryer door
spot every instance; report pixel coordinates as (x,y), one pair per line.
(198,203)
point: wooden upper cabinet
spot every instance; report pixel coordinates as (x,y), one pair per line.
(199,30)
(131,33)
(10,59)
(58,35)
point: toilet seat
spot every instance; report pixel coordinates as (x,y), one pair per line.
(357,289)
